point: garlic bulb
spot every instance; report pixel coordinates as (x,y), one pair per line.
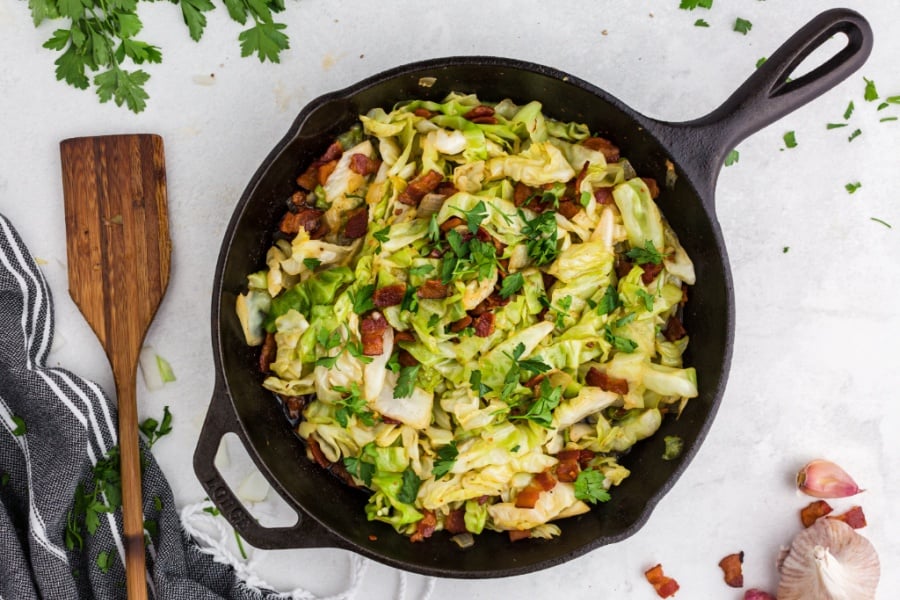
(829,561)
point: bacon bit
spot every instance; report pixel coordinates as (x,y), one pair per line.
(308,179)
(389,295)
(309,219)
(317,453)
(371,330)
(404,336)
(446,188)
(490,303)
(674,329)
(652,186)
(457,326)
(609,150)
(363,165)
(424,112)
(535,381)
(528,497)
(424,528)
(755,594)
(433,289)
(812,511)
(451,223)
(340,471)
(267,353)
(390,421)
(567,470)
(357,223)
(479,111)
(484,120)
(585,457)
(484,324)
(603,196)
(855,517)
(623,267)
(580,177)
(568,455)
(650,272)
(326,170)
(373,538)
(455,522)
(731,566)
(522,193)
(420,186)
(298,198)
(684,294)
(293,406)
(519,534)
(568,209)
(406,359)
(333,152)
(545,480)
(597,378)
(664,586)
(483,235)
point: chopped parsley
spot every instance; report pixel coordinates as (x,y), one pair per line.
(356,351)
(790,139)
(871,94)
(20,428)
(311,263)
(409,487)
(674,447)
(647,254)
(856,133)
(835,125)
(153,429)
(609,302)
(362,299)
(406,382)
(511,284)
(742,26)
(852,187)
(421,270)
(849,110)
(328,340)
(563,311)
(886,119)
(382,235)
(589,486)
(760,62)
(700,23)
(540,235)
(475,216)
(104,561)
(541,411)
(360,469)
(475,381)
(692,4)
(732,157)
(446,458)
(785,249)
(434,229)
(104,497)
(647,299)
(352,404)
(622,344)
(885,223)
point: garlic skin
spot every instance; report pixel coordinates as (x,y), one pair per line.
(824,479)
(829,561)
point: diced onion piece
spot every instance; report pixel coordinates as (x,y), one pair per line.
(254,488)
(149,369)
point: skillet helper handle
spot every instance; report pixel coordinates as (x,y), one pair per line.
(221,419)
(768,94)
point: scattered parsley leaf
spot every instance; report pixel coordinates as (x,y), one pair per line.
(409,488)
(871,94)
(674,447)
(352,404)
(20,428)
(790,139)
(622,344)
(785,249)
(511,284)
(732,157)
(835,125)
(475,382)
(589,486)
(886,119)
(885,223)
(692,4)
(883,106)
(406,382)
(609,302)
(265,39)
(647,254)
(742,26)
(760,62)
(103,561)
(157,503)
(328,340)
(849,110)
(393,364)
(356,351)
(856,133)
(362,299)
(541,411)
(360,469)
(153,430)
(540,234)
(421,270)
(240,544)
(446,458)
(562,312)
(212,510)
(433,320)
(434,229)
(326,361)
(852,187)
(152,528)
(647,298)
(311,263)
(4,479)
(382,235)
(585,199)
(475,216)
(700,23)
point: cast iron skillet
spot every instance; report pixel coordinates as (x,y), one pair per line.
(330,513)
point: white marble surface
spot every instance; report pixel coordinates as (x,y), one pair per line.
(815,358)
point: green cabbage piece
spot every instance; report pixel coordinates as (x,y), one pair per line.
(321,289)
(641,216)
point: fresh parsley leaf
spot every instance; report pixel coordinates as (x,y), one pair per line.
(475,216)
(589,486)
(647,254)
(20,428)
(511,284)
(541,237)
(609,302)
(192,11)
(328,340)
(393,364)
(311,263)
(562,312)
(421,270)
(410,300)
(457,243)
(785,249)
(382,235)
(692,4)
(700,23)
(352,404)
(475,381)
(362,299)
(434,229)
(446,458)
(623,321)
(852,187)
(153,430)
(265,39)
(409,487)
(790,139)
(123,87)
(732,158)
(585,199)
(760,62)
(742,26)
(212,510)
(856,133)
(848,111)
(157,503)
(647,298)
(240,544)
(152,528)
(360,469)
(886,119)
(433,320)
(835,125)
(674,447)
(103,561)
(870,94)
(877,220)
(4,479)
(406,382)
(326,361)
(622,344)
(541,411)
(356,351)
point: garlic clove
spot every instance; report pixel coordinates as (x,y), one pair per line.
(829,561)
(824,479)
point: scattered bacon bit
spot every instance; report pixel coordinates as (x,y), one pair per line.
(585,457)
(623,267)
(309,219)
(568,455)
(755,594)
(326,170)
(519,534)
(457,326)
(389,295)
(567,470)
(485,120)
(855,517)
(652,186)
(420,186)
(674,329)
(333,152)
(568,209)
(528,497)
(371,331)
(731,566)
(535,381)
(603,196)
(298,198)
(545,480)
(317,453)
(483,235)
(390,420)
(424,528)
(598,378)
(812,511)
(522,193)
(490,303)
(664,586)
(404,336)
(577,185)
(433,289)
(650,272)
(684,294)
(294,406)
(455,522)
(340,471)
(446,188)
(308,179)
(406,359)
(610,151)
(267,353)
(424,112)
(451,223)
(357,223)
(484,324)
(479,111)
(362,164)
(373,538)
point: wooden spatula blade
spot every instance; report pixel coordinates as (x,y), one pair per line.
(117,241)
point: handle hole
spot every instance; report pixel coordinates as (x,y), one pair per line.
(830,48)
(250,486)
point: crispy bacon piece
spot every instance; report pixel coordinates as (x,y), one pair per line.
(309,178)
(357,223)
(424,528)
(457,326)
(545,480)
(418,187)
(610,151)
(603,196)
(568,470)
(522,193)
(855,517)
(455,522)
(585,457)
(490,303)
(309,219)
(371,330)
(451,223)
(485,120)
(812,511)
(326,170)
(674,329)
(293,406)
(298,198)
(362,164)
(732,567)
(424,112)
(340,471)
(484,324)
(755,594)
(317,453)
(333,152)
(664,586)
(623,267)
(598,378)
(650,272)
(267,353)
(577,185)
(389,295)
(446,188)
(433,289)
(406,359)
(652,186)
(519,534)
(568,209)
(404,336)
(390,421)
(535,381)
(541,482)
(479,111)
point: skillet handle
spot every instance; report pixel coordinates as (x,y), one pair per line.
(767,95)
(221,419)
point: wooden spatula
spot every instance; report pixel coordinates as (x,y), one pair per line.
(118,250)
